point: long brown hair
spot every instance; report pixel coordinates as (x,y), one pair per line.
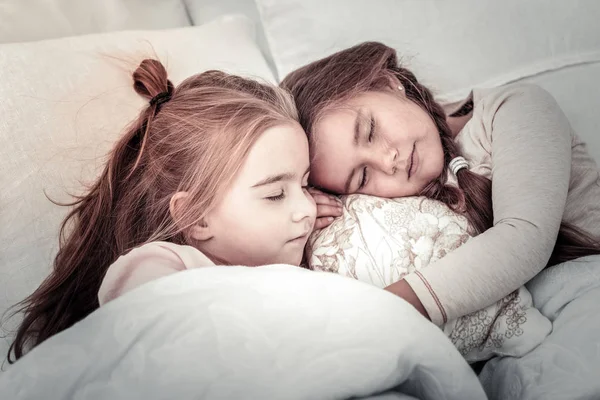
(369,66)
(194,142)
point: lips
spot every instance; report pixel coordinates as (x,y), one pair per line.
(300,238)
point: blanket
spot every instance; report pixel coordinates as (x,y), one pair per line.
(567,364)
(274,332)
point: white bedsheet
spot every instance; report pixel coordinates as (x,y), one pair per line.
(275,332)
(566,366)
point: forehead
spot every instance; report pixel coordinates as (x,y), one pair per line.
(279,147)
(340,118)
(335,120)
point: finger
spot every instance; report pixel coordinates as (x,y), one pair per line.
(322,198)
(315,190)
(321,223)
(328,211)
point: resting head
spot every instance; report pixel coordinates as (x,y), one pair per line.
(372,127)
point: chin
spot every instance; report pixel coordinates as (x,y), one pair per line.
(294,260)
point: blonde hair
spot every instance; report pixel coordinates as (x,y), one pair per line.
(196,142)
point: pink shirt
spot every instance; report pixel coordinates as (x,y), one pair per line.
(147,263)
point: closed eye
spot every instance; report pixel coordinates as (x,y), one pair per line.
(363,179)
(278,197)
(372,129)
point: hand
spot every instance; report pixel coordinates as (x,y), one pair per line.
(328,207)
(403,290)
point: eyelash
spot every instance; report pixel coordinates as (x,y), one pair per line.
(371,135)
(363,181)
(281,195)
(372,130)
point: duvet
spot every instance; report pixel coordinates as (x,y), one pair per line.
(274,332)
(566,366)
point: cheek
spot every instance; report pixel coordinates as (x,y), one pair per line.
(416,122)
(435,158)
(437,150)
(257,220)
(237,216)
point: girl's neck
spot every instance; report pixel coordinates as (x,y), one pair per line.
(459,118)
(457,123)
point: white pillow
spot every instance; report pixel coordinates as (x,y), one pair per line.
(202,11)
(450,45)
(454,46)
(64,102)
(26,20)
(379,241)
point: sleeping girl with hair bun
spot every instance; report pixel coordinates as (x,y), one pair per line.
(214,171)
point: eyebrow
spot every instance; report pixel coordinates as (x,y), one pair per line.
(357,126)
(356,137)
(278,178)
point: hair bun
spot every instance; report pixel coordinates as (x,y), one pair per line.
(150,79)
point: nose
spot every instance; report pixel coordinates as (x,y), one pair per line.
(305,210)
(387,160)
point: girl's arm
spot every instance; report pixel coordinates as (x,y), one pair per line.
(531,163)
(147,263)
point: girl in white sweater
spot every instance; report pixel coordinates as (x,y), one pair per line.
(506,158)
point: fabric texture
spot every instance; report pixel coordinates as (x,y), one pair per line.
(273,332)
(64,103)
(380,241)
(565,366)
(577,91)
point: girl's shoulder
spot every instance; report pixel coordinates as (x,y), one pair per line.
(185,255)
(490,99)
(526,95)
(146,263)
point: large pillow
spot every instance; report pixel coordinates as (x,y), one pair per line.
(202,11)
(454,46)
(451,45)
(63,104)
(26,20)
(379,241)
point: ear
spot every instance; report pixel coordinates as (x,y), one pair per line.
(396,87)
(201,230)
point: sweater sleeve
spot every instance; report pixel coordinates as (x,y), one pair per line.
(147,263)
(531,163)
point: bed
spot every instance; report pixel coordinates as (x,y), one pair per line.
(285,333)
